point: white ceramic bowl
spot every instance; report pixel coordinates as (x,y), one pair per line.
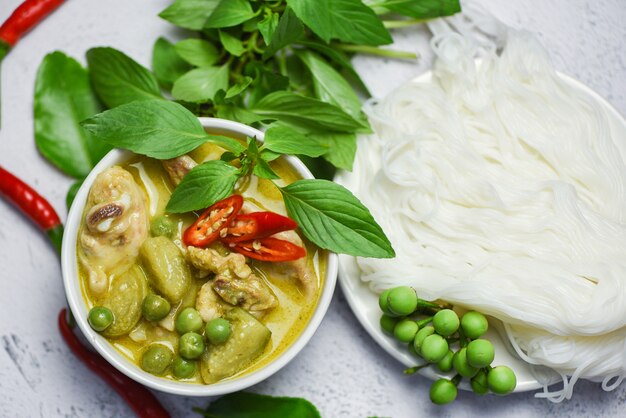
(79,307)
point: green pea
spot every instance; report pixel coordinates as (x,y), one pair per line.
(388,323)
(446,322)
(189,320)
(183,369)
(405,330)
(445,364)
(217,330)
(480,353)
(501,380)
(479,383)
(382,301)
(100,318)
(155,308)
(402,301)
(156,359)
(420,336)
(459,361)
(434,348)
(191,345)
(162,226)
(474,324)
(442,392)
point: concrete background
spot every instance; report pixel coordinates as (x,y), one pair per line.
(342,371)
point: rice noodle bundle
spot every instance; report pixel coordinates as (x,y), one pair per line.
(503,189)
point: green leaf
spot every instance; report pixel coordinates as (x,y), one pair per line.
(118,79)
(226,143)
(189,14)
(341,148)
(204,185)
(267,26)
(201,84)
(231,44)
(330,86)
(333,218)
(157,128)
(305,112)
(252,405)
(289,30)
(239,114)
(286,140)
(71,193)
(423,9)
(63,98)
(338,57)
(238,87)
(167,65)
(229,13)
(346,20)
(198,52)
(262,169)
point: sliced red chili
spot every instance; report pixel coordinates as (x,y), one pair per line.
(208,226)
(250,226)
(269,249)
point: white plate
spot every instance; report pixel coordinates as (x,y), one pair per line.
(364,302)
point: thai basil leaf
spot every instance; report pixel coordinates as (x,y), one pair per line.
(305,112)
(346,20)
(63,98)
(339,58)
(118,79)
(286,140)
(330,86)
(289,30)
(198,52)
(229,13)
(189,14)
(167,65)
(423,9)
(341,148)
(252,405)
(157,128)
(201,84)
(238,87)
(267,26)
(262,169)
(333,218)
(231,44)
(239,114)
(204,185)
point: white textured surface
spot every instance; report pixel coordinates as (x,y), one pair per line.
(342,371)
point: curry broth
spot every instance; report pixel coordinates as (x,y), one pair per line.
(294,310)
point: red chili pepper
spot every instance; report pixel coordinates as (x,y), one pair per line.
(208,226)
(138,397)
(269,249)
(24,18)
(250,226)
(33,205)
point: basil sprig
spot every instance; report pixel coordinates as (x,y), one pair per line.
(328,214)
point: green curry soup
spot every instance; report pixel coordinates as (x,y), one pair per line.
(138,267)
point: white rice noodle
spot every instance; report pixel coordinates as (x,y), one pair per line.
(503,189)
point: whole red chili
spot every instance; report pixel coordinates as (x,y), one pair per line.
(269,249)
(138,397)
(27,15)
(33,205)
(256,225)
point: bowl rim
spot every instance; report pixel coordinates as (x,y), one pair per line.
(69,266)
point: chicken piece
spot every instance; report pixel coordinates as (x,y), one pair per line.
(234,280)
(300,269)
(116,224)
(208,304)
(178,167)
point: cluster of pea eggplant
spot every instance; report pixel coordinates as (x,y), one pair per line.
(157,358)
(431,330)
